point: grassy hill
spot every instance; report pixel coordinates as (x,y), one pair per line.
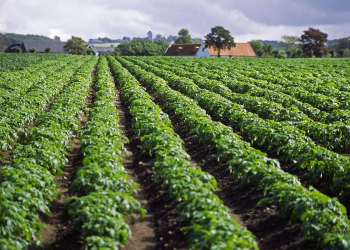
(18,38)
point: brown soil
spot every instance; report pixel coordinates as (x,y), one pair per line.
(143,235)
(161,228)
(270,228)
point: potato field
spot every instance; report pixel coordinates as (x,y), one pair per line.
(174,153)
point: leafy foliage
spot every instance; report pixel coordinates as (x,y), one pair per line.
(323,219)
(220,39)
(184,37)
(191,188)
(27,184)
(75,45)
(313,41)
(101,213)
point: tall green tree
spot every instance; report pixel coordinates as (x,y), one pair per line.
(219,38)
(75,45)
(184,37)
(288,42)
(314,41)
(257,46)
(140,47)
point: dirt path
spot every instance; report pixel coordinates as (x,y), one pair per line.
(270,229)
(161,229)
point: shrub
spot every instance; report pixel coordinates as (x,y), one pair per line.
(47,50)
(18,50)
(32,50)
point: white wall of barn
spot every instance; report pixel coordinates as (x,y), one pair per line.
(202,51)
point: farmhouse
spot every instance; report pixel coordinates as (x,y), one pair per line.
(199,50)
(11,48)
(100,51)
(56,47)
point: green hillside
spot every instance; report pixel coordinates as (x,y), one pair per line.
(17,38)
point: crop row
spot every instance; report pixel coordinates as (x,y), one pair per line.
(27,184)
(17,112)
(333,136)
(15,84)
(324,165)
(101,213)
(314,79)
(12,62)
(323,219)
(208,222)
(239,83)
(321,99)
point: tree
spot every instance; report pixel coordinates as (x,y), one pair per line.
(219,38)
(294,52)
(75,45)
(140,47)
(288,42)
(280,54)
(3,42)
(171,39)
(89,51)
(256,45)
(184,37)
(314,42)
(32,50)
(18,50)
(47,50)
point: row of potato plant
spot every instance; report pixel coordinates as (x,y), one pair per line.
(23,109)
(14,61)
(27,184)
(24,79)
(335,136)
(324,166)
(300,91)
(208,222)
(240,83)
(324,220)
(328,86)
(101,213)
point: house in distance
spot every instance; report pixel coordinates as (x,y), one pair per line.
(56,47)
(199,50)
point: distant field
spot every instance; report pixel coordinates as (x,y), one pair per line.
(105,44)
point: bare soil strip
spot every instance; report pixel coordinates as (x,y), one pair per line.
(161,228)
(270,229)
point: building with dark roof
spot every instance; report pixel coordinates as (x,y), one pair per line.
(182,49)
(12,47)
(199,50)
(94,41)
(56,47)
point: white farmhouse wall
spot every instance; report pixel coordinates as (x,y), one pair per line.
(202,51)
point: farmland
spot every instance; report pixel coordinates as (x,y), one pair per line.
(174,153)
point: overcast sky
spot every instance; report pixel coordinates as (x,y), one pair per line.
(245,19)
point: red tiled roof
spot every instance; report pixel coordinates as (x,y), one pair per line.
(241,49)
(183,50)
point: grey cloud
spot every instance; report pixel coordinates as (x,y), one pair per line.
(115,19)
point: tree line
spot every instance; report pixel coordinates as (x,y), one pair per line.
(310,44)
